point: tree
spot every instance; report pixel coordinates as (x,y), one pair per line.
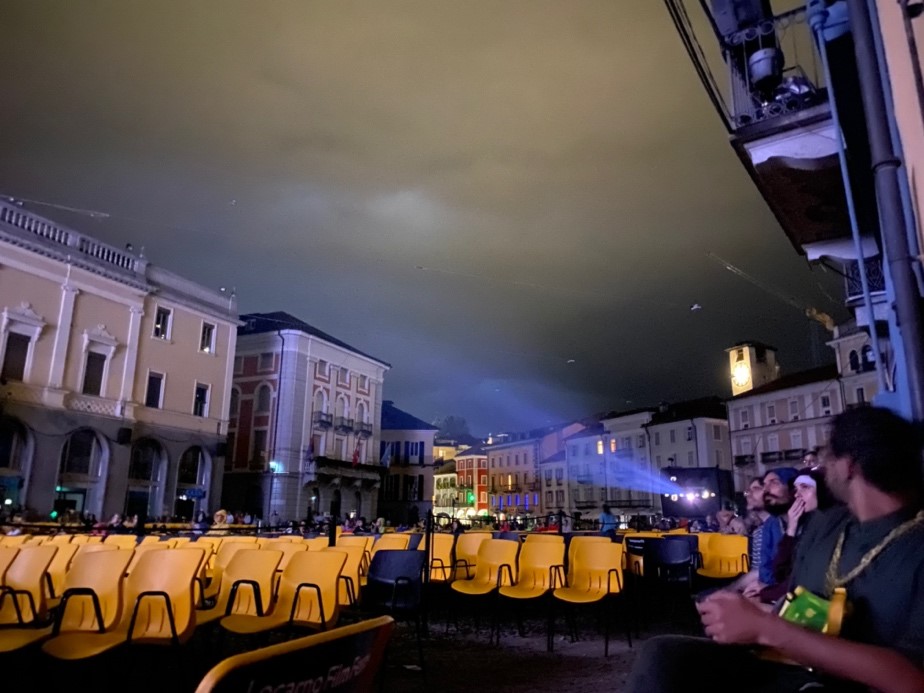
(452,427)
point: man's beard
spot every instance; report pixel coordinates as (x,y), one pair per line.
(778,509)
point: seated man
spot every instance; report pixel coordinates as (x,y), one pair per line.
(873,547)
(777,501)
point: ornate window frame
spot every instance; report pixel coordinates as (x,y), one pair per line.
(23,321)
(98,341)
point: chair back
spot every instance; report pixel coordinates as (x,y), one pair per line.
(59,565)
(547,538)
(494,553)
(391,542)
(535,565)
(26,575)
(123,541)
(101,572)
(351,573)
(250,573)
(308,590)
(7,554)
(598,567)
(580,540)
(395,578)
(440,556)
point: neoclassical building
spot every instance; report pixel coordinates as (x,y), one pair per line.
(305,421)
(114,377)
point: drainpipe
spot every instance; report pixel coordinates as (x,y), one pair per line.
(892,214)
(282,356)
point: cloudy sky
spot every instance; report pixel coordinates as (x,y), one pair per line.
(511,201)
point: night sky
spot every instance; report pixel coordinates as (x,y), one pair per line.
(510,202)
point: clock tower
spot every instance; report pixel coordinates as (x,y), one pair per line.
(751,364)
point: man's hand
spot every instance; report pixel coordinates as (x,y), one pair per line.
(753,589)
(731,619)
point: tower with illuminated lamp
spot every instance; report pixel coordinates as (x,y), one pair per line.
(751,364)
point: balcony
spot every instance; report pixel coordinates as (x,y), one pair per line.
(744,460)
(766,79)
(323,420)
(343,424)
(585,504)
(363,429)
(793,454)
(585,479)
(772,457)
(854,285)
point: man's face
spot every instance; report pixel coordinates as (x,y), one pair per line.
(837,476)
(754,496)
(777,497)
(810,460)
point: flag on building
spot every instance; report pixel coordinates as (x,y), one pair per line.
(356,454)
(386,454)
(309,457)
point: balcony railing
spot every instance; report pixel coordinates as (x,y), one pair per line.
(874,275)
(585,504)
(363,429)
(585,479)
(755,68)
(793,454)
(343,424)
(744,460)
(323,420)
(771,457)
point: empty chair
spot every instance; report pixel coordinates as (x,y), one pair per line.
(307,596)
(80,539)
(35,541)
(91,601)
(220,562)
(394,587)
(123,541)
(440,557)
(391,542)
(415,539)
(15,541)
(573,545)
(467,546)
(140,550)
(318,543)
(182,541)
(495,567)
(246,584)
(60,539)
(7,554)
(350,575)
(22,594)
(725,558)
(540,567)
(287,549)
(545,538)
(597,576)
(670,559)
(157,607)
(59,567)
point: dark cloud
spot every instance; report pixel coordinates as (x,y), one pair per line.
(477,192)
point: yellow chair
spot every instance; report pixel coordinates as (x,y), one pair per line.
(182,541)
(141,550)
(17,541)
(22,595)
(580,540)
(7,554)
(308,596)
(220,562)
(59,567)
(93,539)
(597,575)
(310,659)
(93,548)
(122,541)
(158,607)
(242,538)
(80,539)
(544,538)
(725,557)
(350,575)
(246,585)
(540,568)
(440,556)
(391,542)
(317,543)
(35,541)
(467,546)
(287,549)
(91,602)
(495,567)
(60,539)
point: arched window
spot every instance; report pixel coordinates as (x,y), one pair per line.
(263,399)
(320,401)
(191,467)
(854,359)
(361,412)
(145,461)
(341,408)
(235,403)
(81,453)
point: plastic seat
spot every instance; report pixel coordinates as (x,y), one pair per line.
(365,542)
(440,557)
(317,543)
(60,539)
(219,563)
(348,593)
(91,602)
(158,607)
(391,542)
(490,570)
(123,541)
(544,538)
(35,541)
(59,567)
(140,550)
(307,596)
(182,541)
(7,554)
(16,542)
(725,558)
(22,595)
(80,539)
(540,567)
(573,545)
(597,574)
(246,584)
(466,557)
(287,549)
